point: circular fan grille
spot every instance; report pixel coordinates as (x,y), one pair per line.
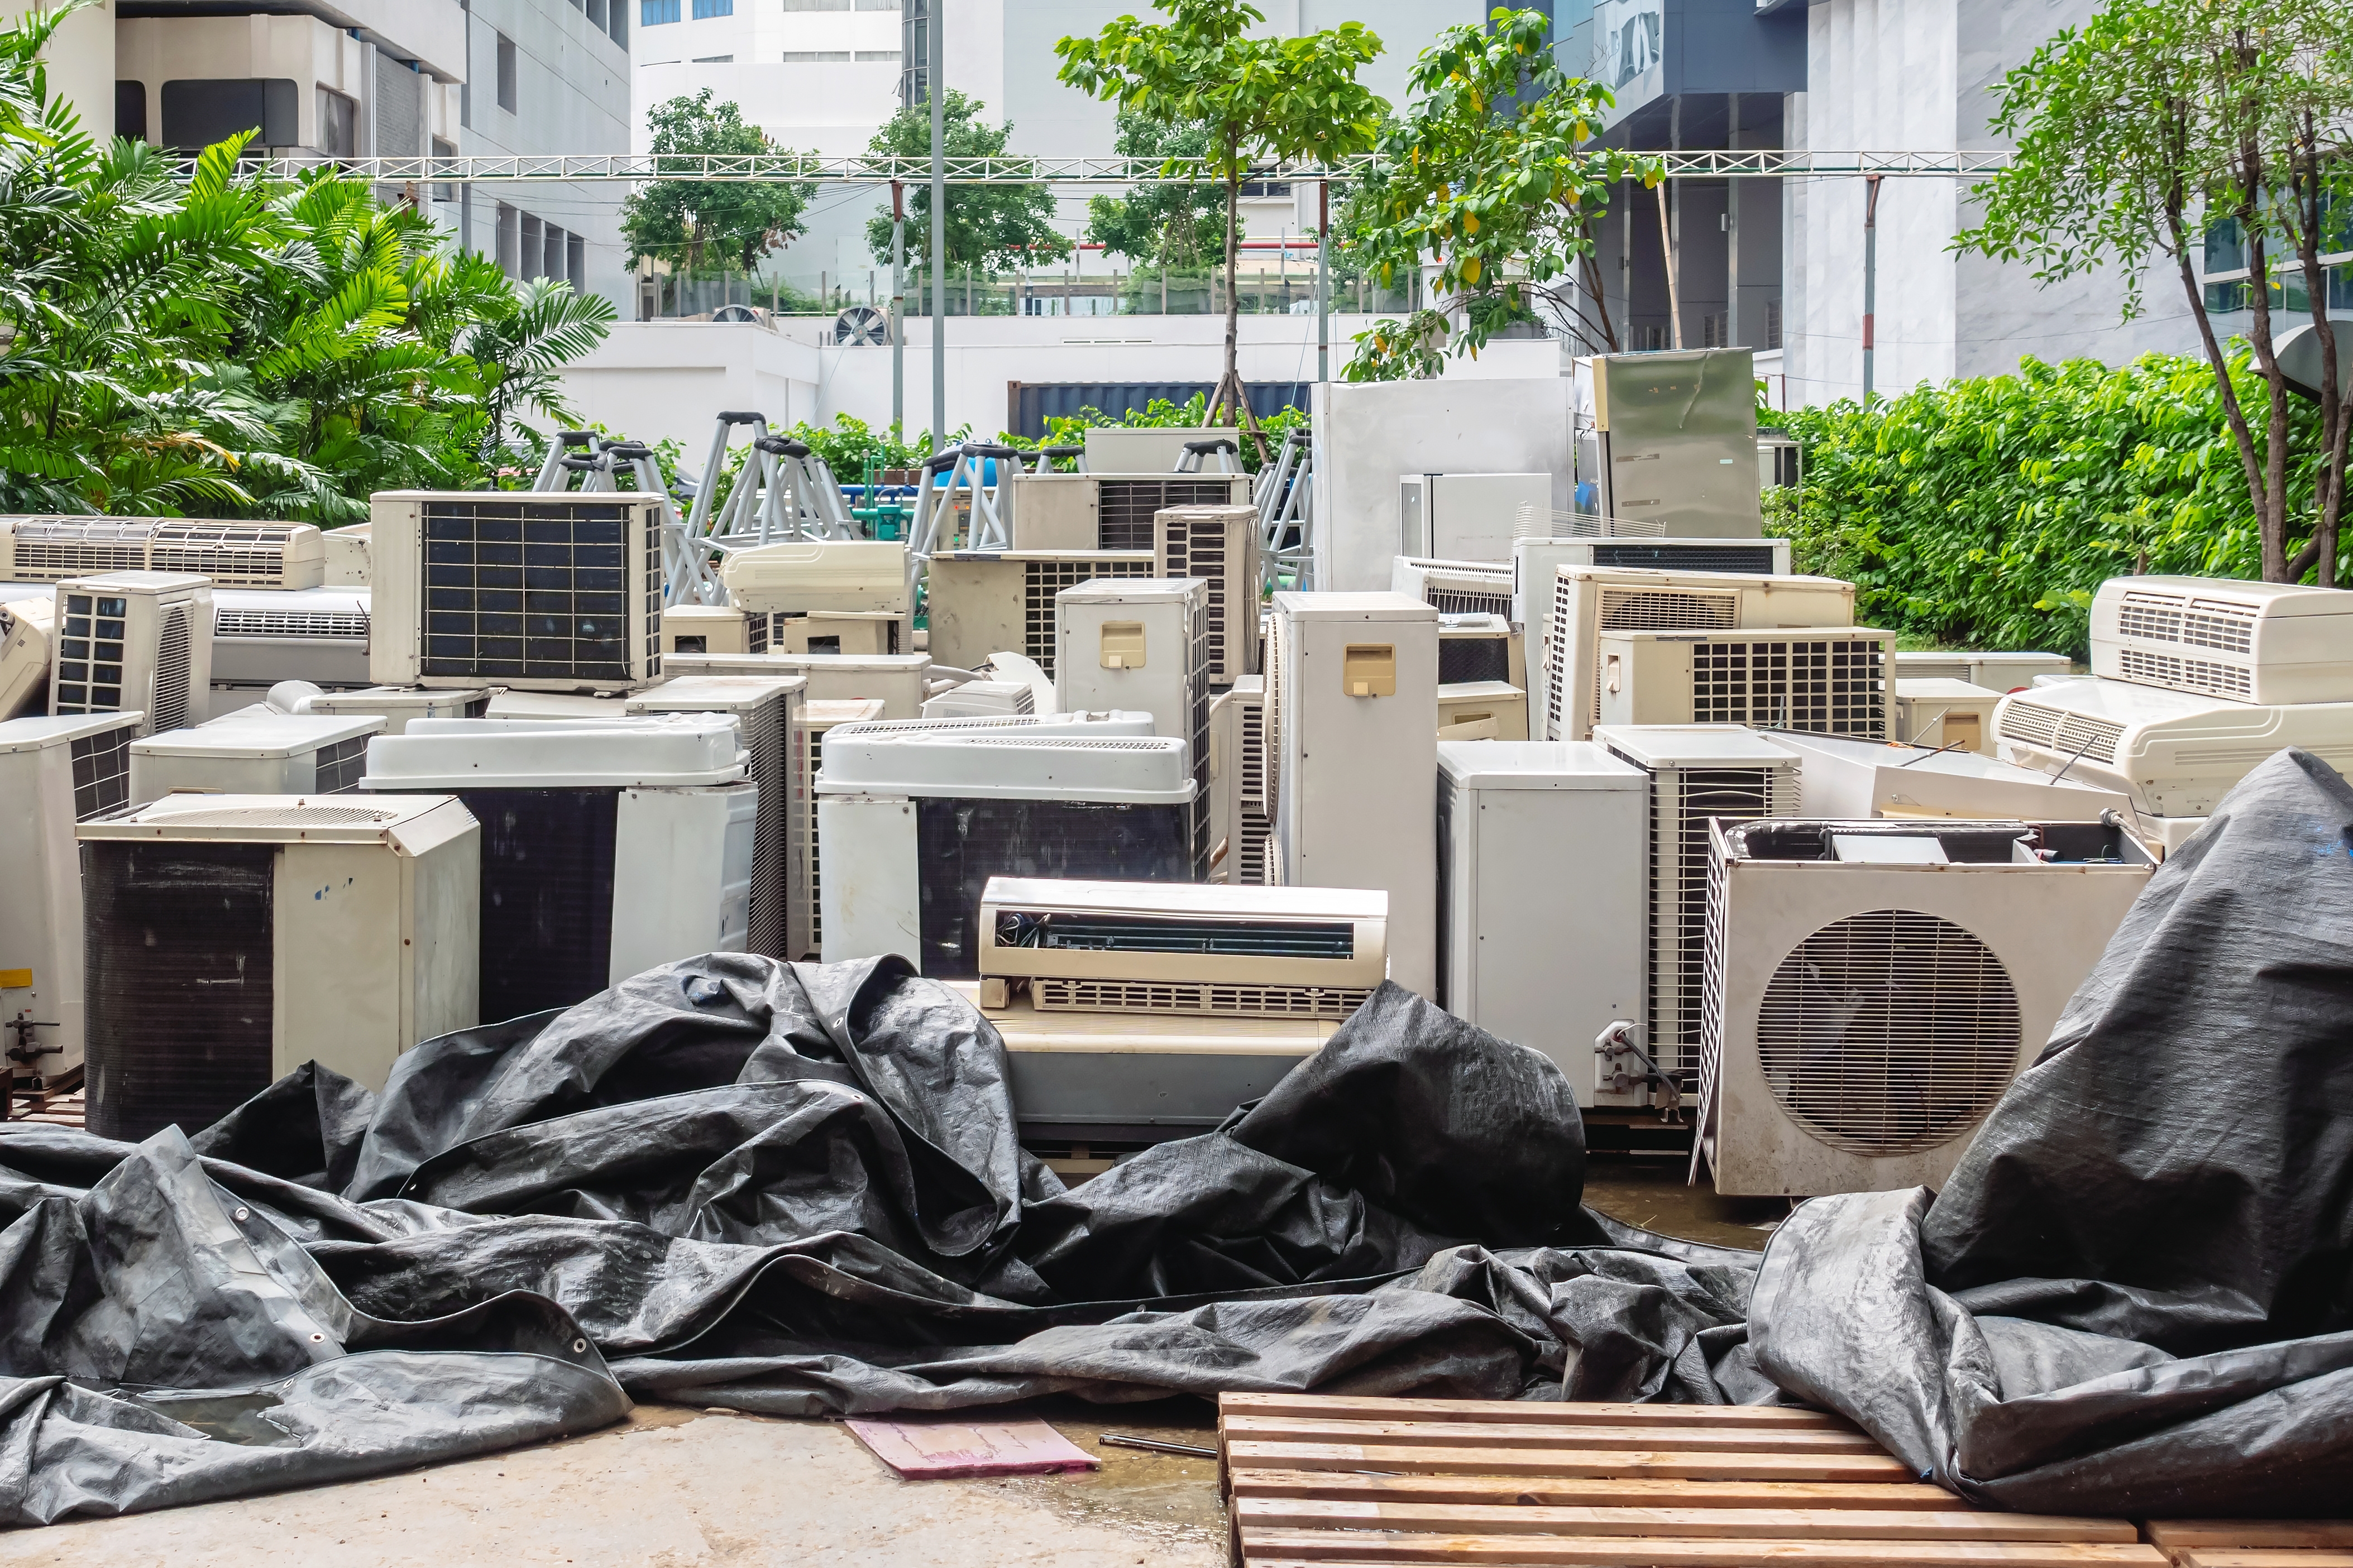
(1889,1033)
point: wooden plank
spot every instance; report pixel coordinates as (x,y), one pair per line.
(1787,1523)
(1567,1463)
(1505,1491)
(1298,1548)
(2282,1557)
(1528,1413)
(2248,1534)
(1483,1435)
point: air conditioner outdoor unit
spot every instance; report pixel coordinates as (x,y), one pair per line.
(2268,643)
(709,628)
(801,576)
(233,938)
(607,847)
(766,710)
(1589,601)
(132,641)
(1873,986)
(980,604)
(25,637)
(1466,517)
(1483,710)
(1108,510)
(318,634)
(1697,772)
(1830,682)
(897,679)
(1940,713)
(1157,947)
(1353,758)
(253,753)
(913,827)
(983,699)
(818,720)
(1454,587)
(2175,753)
(1480,647)
(347,556)
(54,773)
(1540,857)
(553,591)
(1995,671)
(1847,778)
(274,555)
(1218,544)
(1142,646)
(830,631)
(396,705)
(1251,831)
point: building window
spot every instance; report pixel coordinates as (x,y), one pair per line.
(714,59)
(878,5)
(878,57)
(816,56)
(826,5)
(131,110)
(576,262)
(706,9)
(509,240)
(338,125)
(199,112)
(506,73)
(444,192)
(654,13)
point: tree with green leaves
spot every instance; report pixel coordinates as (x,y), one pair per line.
(1258,99)
(1168,224)
(992,229)
(696,223)
(1486,177)
(2162,127)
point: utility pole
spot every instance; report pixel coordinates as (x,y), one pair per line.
(1870,276)
(934,29)
(898,309)
(1323,281)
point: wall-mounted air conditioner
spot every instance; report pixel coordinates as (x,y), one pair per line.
(1828,682)
(1107,511)
(912,827)
(1466,517)
(134,641)
(1940,713)
(1483,710)
(233,938)
(1454,587)
(396,705)
(1697,772)
(25,633)
(1142,646)
(801,576)
(1873,986)
(54,773)
(1847,778)
(897,679)
(319,634)
(2269,643)
(709,628)
(818,720)
(980,604)
(607,847)
(766,709)
(1995,671)
(272,556)
(556,591)
(253,753)
(1355,700)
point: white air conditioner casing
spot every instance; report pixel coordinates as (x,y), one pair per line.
(131,641)
(548,591)
(1936,713)
(1160,947)
(1483,710)
(1466,517)
(1590,600)
(1865,1010)
(25,633)
(347,556)
(896,678)
(982,700)
(1540,860)
(274,930)
(1218,544)
(1697,772)
(1142,646)
(801,576)
(1149,450)
(2268,643)
(2175,753)
(981,603)
(766,710)
(273,555)
(1108,509)
(830,631)
(2000,672)
(396,705)
(1847,778)
(706,628)
(818,720)
(1251,834)
(54,772)
(912,825)
(1454,587)
(1824,683)
(1353,753)
(319,634)
(253,753)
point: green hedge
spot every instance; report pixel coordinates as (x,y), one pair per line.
(1983,513)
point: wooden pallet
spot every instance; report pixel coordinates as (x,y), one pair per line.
(1324,1481)
(2254,1543)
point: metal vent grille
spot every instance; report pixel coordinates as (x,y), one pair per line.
(1889,1033)
(174,667)
(1069,932)
(1620,610)
(547,896)
(2215,624)
(1254,824)
(233,555)
(1164,997)
(347,626)
(772,769)
(1195,546)
(755,630)
(2147,669)
(533,592)
(101,771)
(1754,559)
(340,766)
(1041,580)
(295,817)
(89,667)
(1125,507)
(2052,729)
(1821,685)
(1196,687)
(50,549)
(1270,750)
(1467,658)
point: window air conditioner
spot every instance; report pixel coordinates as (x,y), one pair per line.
(765,710)
(1142,646)
(1590,600)
(980,604)
(1830,682)
(897,679)
(555,590)
(1454,587)
(132,641)
(710,629)
(1483,710)
(818,720)
(607,847)
(275,555)
(1998,672)
(1218,544)
(913,827)
(54,773)
(1846,778)
(1108,510)
(233,938)
(24,634)
(1466,517)
(318,634)
(253,753)
(1540,859)
(1697,772)
(1938,713)
(1871,987)
(801,576)
(2270,643)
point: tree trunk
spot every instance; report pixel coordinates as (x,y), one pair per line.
(1231,383)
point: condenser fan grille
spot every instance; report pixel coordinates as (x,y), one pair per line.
(1889,1033)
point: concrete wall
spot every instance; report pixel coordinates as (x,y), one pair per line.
(80,60)
(667,380)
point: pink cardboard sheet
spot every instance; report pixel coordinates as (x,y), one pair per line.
(937,1449)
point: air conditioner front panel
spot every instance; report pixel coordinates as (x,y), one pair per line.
(799,576)
(683,864)
(1283,939)
(1127,505)
(1219,545)
(986,604)
(1833,682)
(2246,642)
(547,896)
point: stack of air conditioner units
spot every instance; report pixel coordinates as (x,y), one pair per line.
(766,710)
(133,641)
(822,595)
(1466,517)
(1940,714)
(1846,778)
(270,555)
(609,848)
(1827,682)
(233,938)
(1353,758)
(25,633)
(1540,860)
(254,753)
(1697,772)
(396,705)
(1872,987)
(1108,510)
(819,718)
(1589,601)
(54,773)
(1999,672)
(553,591)
(981,603)
(1142,646)
(914,826)
(900,680)
(1454,587)
(1218,544)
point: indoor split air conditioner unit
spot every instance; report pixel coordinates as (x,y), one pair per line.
(817,719)
(1107,511)
(799,576)
(1454,587)
(898,680)
(233,938)
(54,773)
(1995,671)
(25,633)
(711,628)
(132,641)
(1142,646)
(1847,778)
(1940,714)
(1872,987)
(2267,643)
(555,590)
(1218,544)
(318,634)
(270,555)
(1466,517)
(609,848)
(396,705)
(980,604)
(911,829)
(1825,682)
(831,631)
(253,753)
